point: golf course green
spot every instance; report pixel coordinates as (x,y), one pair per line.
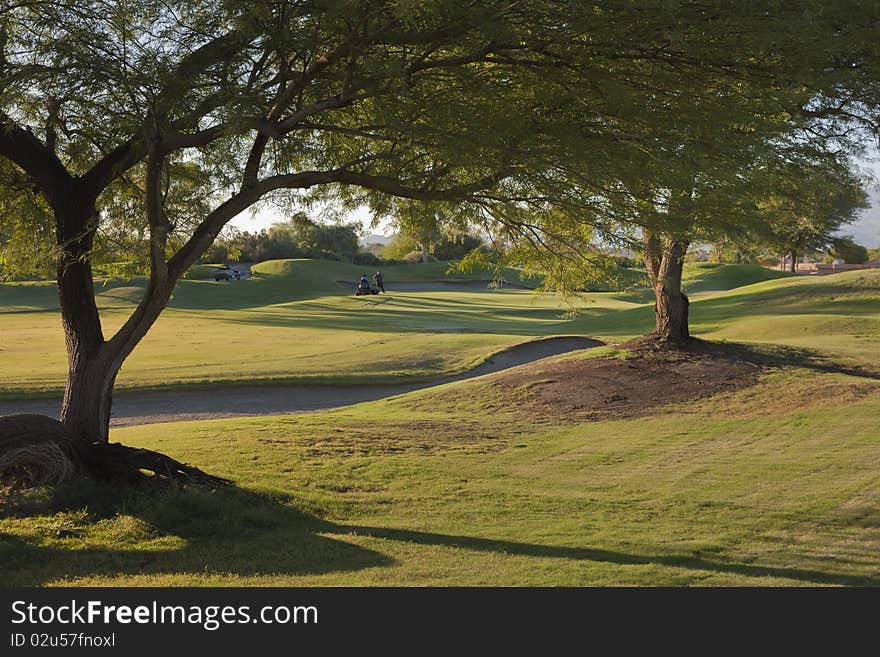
(764,475)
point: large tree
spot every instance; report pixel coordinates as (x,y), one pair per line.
(804,209)
(186,113)
(775,101)
(105,101)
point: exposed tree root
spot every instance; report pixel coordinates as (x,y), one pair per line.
(36,450)
(115,462)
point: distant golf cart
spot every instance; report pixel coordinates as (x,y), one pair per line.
(226,273)
(364,287)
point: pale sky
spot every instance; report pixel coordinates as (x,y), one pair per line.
(865,230)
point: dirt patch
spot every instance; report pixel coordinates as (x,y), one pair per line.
(614,388)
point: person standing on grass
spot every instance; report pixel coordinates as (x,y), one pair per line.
(380,281)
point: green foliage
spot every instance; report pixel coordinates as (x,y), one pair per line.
(310,236)
(846,249)
(456,246)
(366,258)
(125,270)
(398,247)
(299,237)
(26,229)
(416,257)
(805,205)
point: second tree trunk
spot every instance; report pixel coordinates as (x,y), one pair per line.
(664,260)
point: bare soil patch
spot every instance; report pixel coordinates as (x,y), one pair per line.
(613,388)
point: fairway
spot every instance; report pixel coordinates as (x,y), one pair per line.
(479,482)
(293,323)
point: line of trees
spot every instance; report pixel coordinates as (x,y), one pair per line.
(562,127)
(299,237)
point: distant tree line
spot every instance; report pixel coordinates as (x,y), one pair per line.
(404,247)
(299,237)
(302,237)
(824,248)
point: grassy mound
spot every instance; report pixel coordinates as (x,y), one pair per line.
(701,278)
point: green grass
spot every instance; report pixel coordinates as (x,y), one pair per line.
(438,488)
(837,315)
(290,322)
(776,484)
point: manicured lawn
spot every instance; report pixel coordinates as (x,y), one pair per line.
(293,322)
(774,484)
(440,487)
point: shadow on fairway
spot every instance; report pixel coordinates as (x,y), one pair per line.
(781,356)
(687,561)
(173,532)
(231,532)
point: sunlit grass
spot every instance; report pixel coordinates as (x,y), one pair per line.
(774,484)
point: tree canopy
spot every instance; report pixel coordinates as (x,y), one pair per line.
(565,126)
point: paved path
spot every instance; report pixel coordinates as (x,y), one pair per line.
(133,408)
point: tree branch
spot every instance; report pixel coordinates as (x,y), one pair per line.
(112,165)
(22,147)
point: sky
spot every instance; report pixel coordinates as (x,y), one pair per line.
(865,230)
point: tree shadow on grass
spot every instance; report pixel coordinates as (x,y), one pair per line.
(196,533)
(780,356)
(683,561)
(173,532)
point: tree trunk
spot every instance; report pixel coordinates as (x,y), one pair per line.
(424,246)
(664,260)
(85,410)
(793,265)
(88,396)
(93,362)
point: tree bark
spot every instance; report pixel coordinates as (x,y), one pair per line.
(664,259)
(85,409)
(793,265)
(424,253)
(88,396)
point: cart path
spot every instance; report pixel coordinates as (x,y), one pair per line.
(135,408)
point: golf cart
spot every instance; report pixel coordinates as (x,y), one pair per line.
(364,287)
(226,273)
